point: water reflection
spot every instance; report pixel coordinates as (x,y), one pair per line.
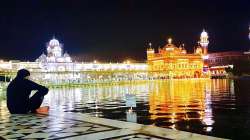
(169,103)
(213,107)
(177,100)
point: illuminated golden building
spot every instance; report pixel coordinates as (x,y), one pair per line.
(175,62)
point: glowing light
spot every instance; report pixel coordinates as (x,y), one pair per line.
(204,34)
(170,41)
(127,62)
(209,129)
(204,39)
(169,49)
(249,32)
(54,42)
(205,57)
(150,51)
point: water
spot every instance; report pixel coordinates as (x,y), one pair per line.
(212,107)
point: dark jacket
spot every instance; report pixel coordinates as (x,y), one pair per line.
(18,93)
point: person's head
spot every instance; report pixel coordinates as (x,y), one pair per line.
(23,73)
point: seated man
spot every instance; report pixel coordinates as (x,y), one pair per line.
(18,94)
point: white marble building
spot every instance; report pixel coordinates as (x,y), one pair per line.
(54,53)
(55,59)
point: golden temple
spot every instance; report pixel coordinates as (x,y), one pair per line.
(174,62)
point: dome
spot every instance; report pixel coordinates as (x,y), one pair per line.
(42,58)
(66,54)
(54,42)
(67,57)
(198,50)
(204,34)
(170,46)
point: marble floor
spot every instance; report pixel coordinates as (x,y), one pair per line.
(34,126)
(64,125)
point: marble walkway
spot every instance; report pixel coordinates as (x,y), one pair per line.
(77,126)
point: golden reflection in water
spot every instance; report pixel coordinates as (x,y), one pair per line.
(176,100)
(185,100)
(225,86)
(170,101)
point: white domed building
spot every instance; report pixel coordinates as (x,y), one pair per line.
(54,59)
(54,53)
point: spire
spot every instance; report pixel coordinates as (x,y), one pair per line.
(150,49)
(204,33)
(204,39)
(169,40)
(54,42)
(150,45)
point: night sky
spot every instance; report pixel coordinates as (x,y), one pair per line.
(116,30)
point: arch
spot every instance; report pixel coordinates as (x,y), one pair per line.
(197,74)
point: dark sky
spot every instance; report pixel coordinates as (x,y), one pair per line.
(114,30)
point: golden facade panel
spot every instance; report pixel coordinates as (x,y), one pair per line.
(175,62)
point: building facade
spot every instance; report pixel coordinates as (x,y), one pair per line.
(55,59)
(56,67)
(226,58)
(54,53)
(219,61)
(174,62)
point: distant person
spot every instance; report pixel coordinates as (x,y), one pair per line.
(18,95)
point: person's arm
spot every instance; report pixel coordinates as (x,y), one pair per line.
(34,86)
